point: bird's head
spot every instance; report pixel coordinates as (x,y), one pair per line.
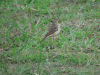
(55,21)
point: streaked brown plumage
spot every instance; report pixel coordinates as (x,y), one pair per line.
(54,30)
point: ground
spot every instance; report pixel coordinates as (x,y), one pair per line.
(23,24)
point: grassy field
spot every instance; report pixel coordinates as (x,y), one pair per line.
(76,51)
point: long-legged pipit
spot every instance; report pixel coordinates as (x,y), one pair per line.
(53,31)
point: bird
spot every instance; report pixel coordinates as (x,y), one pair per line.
(53,31)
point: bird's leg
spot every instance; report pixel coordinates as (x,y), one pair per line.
(53,38)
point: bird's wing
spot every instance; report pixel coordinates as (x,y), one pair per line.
(52,30)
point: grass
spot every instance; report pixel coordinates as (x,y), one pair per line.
(23,23)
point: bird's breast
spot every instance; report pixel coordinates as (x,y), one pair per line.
(58,31)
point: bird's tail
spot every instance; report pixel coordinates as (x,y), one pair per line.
(43,39)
